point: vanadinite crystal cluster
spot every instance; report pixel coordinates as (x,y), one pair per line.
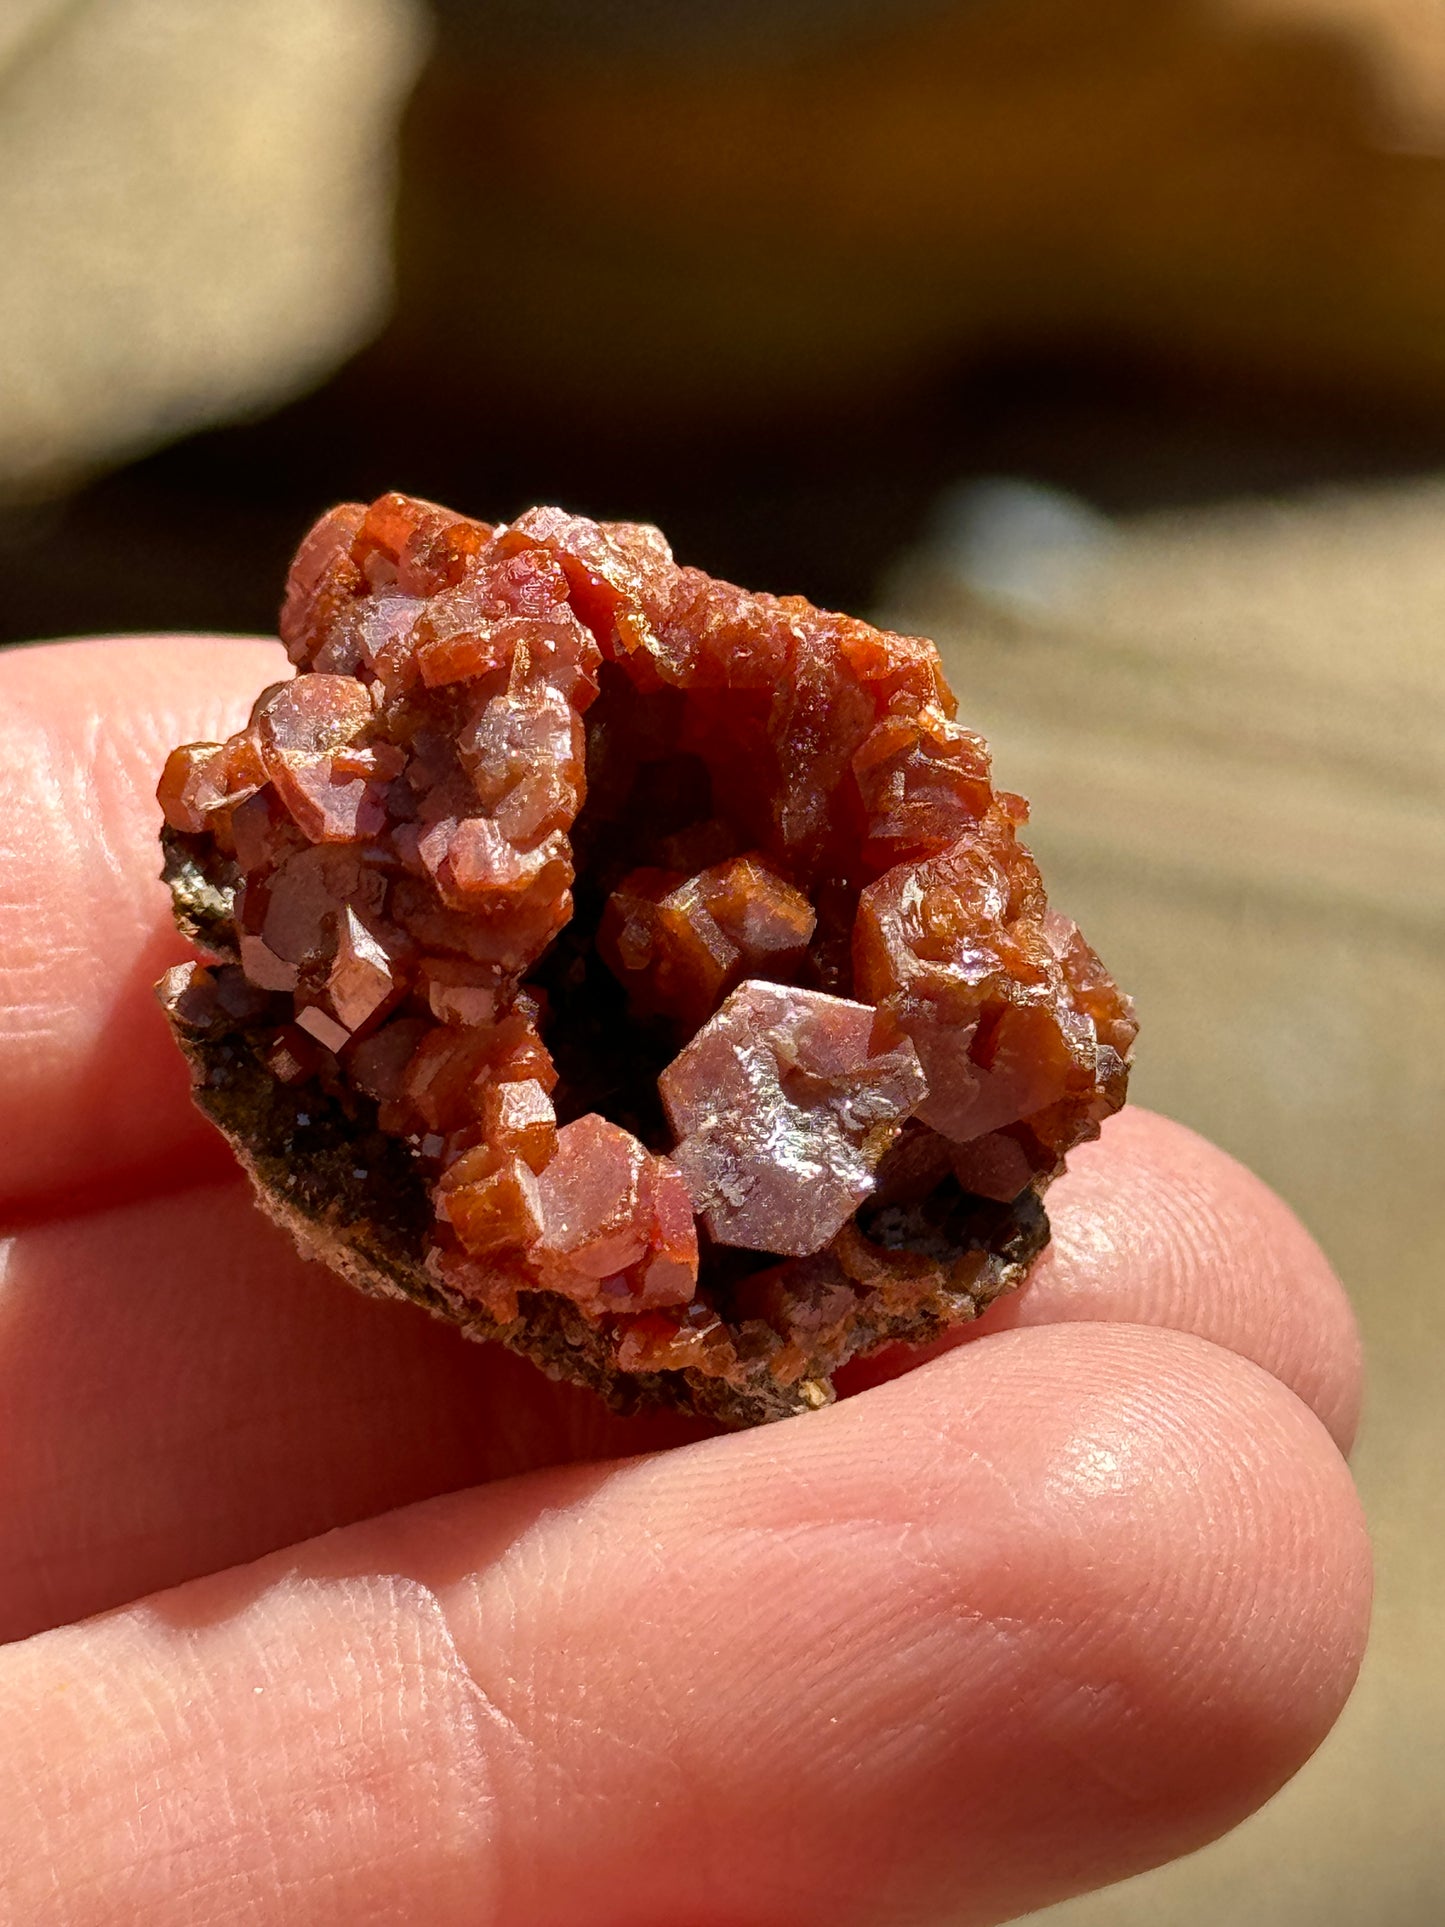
(636,969)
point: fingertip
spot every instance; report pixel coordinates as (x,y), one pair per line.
(89,1082)
(1155,1225)
(1180,1536)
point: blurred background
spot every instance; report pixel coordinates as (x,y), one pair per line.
(1102,340)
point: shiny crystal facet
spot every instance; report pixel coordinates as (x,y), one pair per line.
(783,1105)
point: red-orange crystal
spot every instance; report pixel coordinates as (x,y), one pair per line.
(636,903)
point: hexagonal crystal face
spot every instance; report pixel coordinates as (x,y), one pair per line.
(782,1106)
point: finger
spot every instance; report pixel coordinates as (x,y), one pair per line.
(223,1398)
(1153,1225)
(90,1085)
(1054,1608)
(179,1391)
(1156,1226)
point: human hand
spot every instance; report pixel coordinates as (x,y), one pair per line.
(1062,1602)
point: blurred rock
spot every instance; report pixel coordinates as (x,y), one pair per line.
(194,213)
(1017,543)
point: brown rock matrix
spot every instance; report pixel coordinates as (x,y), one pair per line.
(630,967)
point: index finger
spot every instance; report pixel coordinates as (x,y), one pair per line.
(92,1091)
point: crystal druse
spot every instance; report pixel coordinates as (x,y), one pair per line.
(632,968)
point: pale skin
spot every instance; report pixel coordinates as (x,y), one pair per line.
(319,1615)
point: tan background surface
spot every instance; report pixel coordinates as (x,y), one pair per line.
(1232,729)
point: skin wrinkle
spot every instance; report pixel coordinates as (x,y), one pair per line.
(808,1547)
(1079,1241)
(413,1634)
(113,794)
(26,967)
(806,1681)
(1056,1693)
(201,1330)
(488,1704)
(110,1471)
(56,775)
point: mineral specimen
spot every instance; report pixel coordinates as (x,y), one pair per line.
(631,968)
